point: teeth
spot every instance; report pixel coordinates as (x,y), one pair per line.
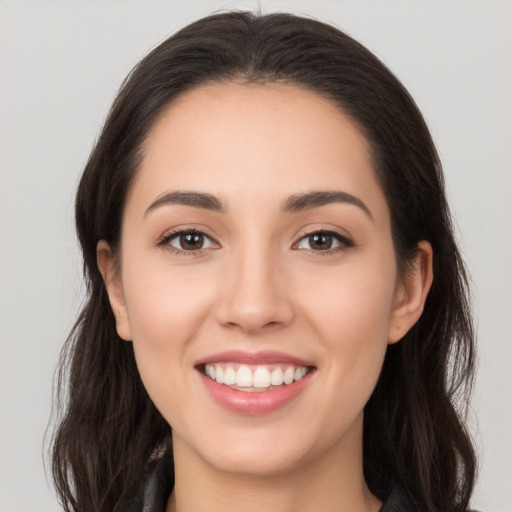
(229,376)
(210,371)
(289,374)
(261,378)
(243,377)
(299,373)
(258,377)
(276,377)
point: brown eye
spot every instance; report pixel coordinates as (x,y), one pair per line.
(191,241)
(324,241)
(188,241)
(320,241)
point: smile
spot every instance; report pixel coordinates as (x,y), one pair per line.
(254,378)
(254,383)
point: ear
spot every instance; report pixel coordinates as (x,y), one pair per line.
(114,286)
(411,293)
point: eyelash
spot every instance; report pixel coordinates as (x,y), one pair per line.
(165,241)
(344,242)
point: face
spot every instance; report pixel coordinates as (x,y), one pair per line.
(257,277)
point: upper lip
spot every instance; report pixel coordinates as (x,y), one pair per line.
(253,358)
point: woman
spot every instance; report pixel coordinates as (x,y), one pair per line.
(272,274)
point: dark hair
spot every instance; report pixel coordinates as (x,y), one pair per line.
(414,430)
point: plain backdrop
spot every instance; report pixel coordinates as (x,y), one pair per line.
(61,63)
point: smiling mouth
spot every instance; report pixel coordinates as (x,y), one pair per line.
(254,378)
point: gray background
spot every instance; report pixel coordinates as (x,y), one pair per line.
(60,65)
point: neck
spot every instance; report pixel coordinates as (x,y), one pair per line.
(331,483)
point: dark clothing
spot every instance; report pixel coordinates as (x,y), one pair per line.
(159,483)
(398,501)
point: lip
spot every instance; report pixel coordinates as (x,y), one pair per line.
(260,402)
(265,357)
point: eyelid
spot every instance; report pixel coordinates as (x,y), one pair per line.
(165,239)
(345,241)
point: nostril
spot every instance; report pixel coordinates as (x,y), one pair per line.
(253,298)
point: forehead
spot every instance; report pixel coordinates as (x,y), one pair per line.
(242,141)
(279,116)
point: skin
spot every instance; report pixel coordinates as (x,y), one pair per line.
(257,285)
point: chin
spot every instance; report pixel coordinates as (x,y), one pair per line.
(256,451)
(256,462)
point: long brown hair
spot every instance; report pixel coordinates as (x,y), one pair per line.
(414,430)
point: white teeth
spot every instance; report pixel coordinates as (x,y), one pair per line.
(229,376)
(276,377)
(261,378)
(219,374)
(244,377)
(299,373)
(210,371)
(258,377)
(289,374)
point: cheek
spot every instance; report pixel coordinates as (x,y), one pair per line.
(166,311)
(353,302)
(352,312)
(165,306)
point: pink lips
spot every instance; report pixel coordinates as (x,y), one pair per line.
(261,402)
(267,357)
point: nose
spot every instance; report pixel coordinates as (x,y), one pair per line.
(255,295)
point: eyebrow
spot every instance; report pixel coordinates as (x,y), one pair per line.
(309,200)
(295,203)
(195,199)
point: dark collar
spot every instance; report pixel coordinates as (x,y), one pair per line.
(398,501)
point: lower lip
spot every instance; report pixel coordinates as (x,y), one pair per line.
(258,402)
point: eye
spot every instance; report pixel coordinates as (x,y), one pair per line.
(187,241)
(324,241)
